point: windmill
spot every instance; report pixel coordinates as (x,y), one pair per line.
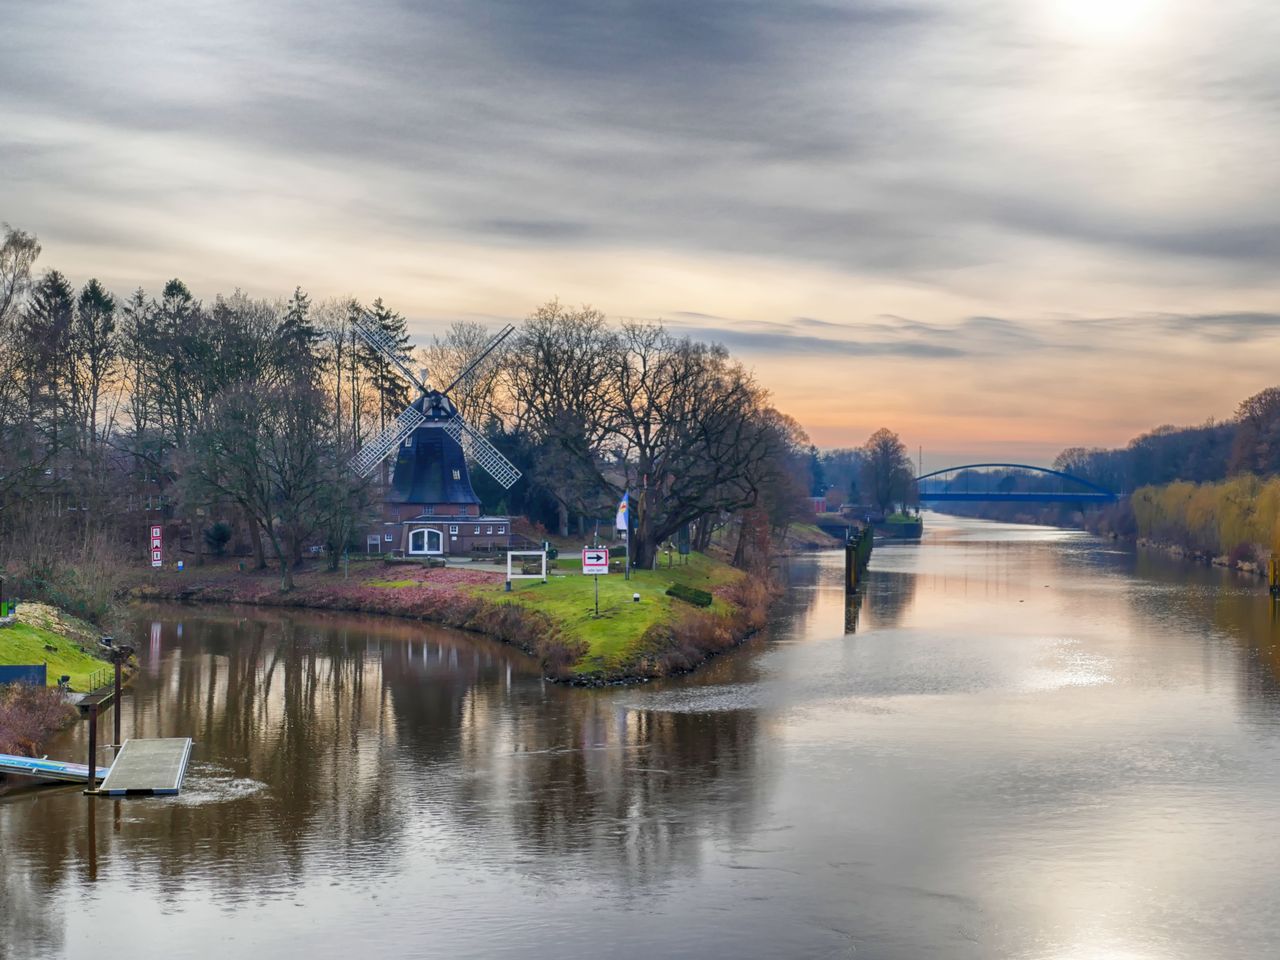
(431,480)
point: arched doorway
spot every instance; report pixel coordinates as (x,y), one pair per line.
(425,540)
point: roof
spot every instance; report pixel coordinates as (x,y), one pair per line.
(431,468)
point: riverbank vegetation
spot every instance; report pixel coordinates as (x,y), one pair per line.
(68,647)
(29,716)
(554,622)
(652,636)
(1211,490)
(1237,520)
(231,424)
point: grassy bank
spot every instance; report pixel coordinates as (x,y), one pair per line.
(627,633)
(554,622)
(45,635)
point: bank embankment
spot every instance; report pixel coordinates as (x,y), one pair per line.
(45,634)
(630,639)
(67,647)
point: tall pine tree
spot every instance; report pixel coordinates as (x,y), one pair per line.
(388,385)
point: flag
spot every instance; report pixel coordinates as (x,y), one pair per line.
(621,522)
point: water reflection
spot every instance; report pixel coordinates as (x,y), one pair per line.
(323,746)
(1033,745)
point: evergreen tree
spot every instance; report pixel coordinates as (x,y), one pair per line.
(96,347)
(817,474)
(299,339)
(44,339)
(388,385)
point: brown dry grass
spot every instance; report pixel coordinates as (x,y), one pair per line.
(29,715)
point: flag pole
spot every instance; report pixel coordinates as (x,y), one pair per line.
(626,531)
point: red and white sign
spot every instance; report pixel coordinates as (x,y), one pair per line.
(157,545)
(595,560)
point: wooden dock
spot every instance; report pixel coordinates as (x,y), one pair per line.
(148,767)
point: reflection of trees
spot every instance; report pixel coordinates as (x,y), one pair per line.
(30,924)
(601,789)
(1238,608)
(294,703)
(887,596)
(358,729)
(555,773)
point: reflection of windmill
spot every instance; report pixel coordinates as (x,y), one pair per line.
(430,479)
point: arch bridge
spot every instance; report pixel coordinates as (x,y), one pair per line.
(1009,483)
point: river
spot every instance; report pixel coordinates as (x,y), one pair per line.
(1035,744)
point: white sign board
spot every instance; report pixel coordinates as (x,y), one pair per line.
(512,575)
(595,560)
(157,546)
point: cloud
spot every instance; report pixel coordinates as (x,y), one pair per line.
(975,337)
(886,138)
(886,337)
(970,185)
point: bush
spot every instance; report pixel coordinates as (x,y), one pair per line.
(217,537)
(28,715)
(699,598)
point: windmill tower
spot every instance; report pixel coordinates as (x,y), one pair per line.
(430,508)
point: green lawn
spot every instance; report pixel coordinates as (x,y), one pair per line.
(24,644)
(568,597)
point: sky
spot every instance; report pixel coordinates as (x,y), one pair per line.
(999,227)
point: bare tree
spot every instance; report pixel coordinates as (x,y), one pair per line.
(262,447)
(445,358)
(684,428)
(18,254)
(557,383)
(888,476)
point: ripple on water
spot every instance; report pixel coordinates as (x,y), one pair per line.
(206,784)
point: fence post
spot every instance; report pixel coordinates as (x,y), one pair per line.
(115,707)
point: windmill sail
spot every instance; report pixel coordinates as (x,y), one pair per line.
(381,341)
(475,369)
(479,449)
(377,449)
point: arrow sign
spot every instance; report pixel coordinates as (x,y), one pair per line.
(595,560)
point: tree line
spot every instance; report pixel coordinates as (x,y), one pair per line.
(1225,455)
(234,421)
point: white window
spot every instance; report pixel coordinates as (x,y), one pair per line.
(489,530)
(502,528)
(453,528)
(477,530)
(429,510)
(389,537)
(457,474)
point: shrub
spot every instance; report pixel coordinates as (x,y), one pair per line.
(699,598)
(28,715)
(217,537)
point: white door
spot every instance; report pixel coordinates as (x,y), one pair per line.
(426,541)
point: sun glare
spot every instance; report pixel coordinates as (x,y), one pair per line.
(1103,19)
